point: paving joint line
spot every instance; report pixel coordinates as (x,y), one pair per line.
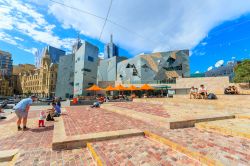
(195,155)
(94,154)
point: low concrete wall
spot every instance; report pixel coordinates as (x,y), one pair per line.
(213,84)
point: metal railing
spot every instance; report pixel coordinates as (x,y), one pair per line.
(150,82)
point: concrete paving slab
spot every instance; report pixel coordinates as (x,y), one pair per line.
(7,155)
(233,127)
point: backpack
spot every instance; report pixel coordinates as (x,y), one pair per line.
(49,118)
(211,96)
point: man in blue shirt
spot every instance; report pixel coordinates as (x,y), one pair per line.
(57,110)
(22,110)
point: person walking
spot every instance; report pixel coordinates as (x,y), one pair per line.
(22,110)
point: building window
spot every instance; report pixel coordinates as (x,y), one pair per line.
(87,70)
(77,84)
(135,73)
(91,59)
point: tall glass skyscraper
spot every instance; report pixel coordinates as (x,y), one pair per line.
(110,49)
(54,54)
(6,63)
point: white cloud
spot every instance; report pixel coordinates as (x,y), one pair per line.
(233,57)
(197,72)
(158,26)
(18,38)
(24,18)
(210,68)
(30,50)
(7,38)
(219,63)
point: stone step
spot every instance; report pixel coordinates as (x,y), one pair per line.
(232,127)
(226,149)
(139,151)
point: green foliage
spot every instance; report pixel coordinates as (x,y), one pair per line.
(242,72)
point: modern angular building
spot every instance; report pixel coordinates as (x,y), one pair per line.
(66,70)
(54,54)
(107,68)
(110,49)
(155,67)
(65,77)
(6,64)
(85,73)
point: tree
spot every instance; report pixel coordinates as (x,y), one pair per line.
(242,72)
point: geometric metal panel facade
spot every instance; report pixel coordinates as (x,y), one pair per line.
(107,68)
(148,68)
(85,73)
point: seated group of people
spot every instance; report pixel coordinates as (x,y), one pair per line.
(231,90)
(200,93)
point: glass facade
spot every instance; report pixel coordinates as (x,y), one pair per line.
(54,54)
(6,63)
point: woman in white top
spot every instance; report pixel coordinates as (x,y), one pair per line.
(193,92)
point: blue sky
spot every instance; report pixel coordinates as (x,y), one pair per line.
(214,34)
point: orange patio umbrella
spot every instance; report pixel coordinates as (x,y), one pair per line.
(120,87)
(146,87)
(132,88)
(94,88)
(110,88)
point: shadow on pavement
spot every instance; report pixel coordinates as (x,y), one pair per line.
(42,129)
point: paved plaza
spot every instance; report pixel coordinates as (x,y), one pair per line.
(134,133)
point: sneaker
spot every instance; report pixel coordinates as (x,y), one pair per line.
(25,128)
(19,128)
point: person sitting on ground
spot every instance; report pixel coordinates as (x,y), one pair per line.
(228,90)
(101,99)
(57,110)
(193,92)
(202,91)
(95,105)
(235,90)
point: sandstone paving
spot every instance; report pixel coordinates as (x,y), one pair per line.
(47,157)
(34,145)
(233,127)
(154,109)
(174,113)
(139,151)
(85,120)
(228,150)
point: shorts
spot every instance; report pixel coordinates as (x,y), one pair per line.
(21,114)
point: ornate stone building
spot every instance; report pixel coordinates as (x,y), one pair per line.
(42,81)
(6,88)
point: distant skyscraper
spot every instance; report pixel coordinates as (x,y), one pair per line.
(111,49)
(5,64)
(54,54)
(77,45)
